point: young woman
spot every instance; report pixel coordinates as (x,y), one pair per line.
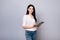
(29,20)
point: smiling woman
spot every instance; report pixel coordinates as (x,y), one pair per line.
(29,20)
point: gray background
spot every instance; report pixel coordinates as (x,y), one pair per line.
(12,11)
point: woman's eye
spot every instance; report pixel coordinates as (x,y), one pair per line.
(30,8)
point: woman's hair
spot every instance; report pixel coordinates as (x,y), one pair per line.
(33,13)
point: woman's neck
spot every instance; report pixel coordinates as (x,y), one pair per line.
(30,14)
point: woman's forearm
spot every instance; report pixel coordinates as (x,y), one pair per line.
(27,27)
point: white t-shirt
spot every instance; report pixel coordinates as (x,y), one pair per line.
(27,20)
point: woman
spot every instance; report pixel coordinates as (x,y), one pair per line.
(29,20)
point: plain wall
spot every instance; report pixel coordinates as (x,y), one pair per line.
(11,14)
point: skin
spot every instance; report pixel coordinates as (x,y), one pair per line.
(30,9)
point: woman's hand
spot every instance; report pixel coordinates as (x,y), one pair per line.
(35,25)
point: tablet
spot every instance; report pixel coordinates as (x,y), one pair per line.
(38,24)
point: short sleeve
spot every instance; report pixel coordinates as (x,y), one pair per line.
(24,20)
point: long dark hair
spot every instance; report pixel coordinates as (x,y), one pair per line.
(33,13)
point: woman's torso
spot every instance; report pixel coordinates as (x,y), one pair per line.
(30,21)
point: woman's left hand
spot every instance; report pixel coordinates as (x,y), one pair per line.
(35,25)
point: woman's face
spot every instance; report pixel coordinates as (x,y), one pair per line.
(30,9)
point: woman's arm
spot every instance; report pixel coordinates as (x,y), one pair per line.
(28,26)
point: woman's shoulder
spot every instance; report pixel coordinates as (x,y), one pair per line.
(25,16)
